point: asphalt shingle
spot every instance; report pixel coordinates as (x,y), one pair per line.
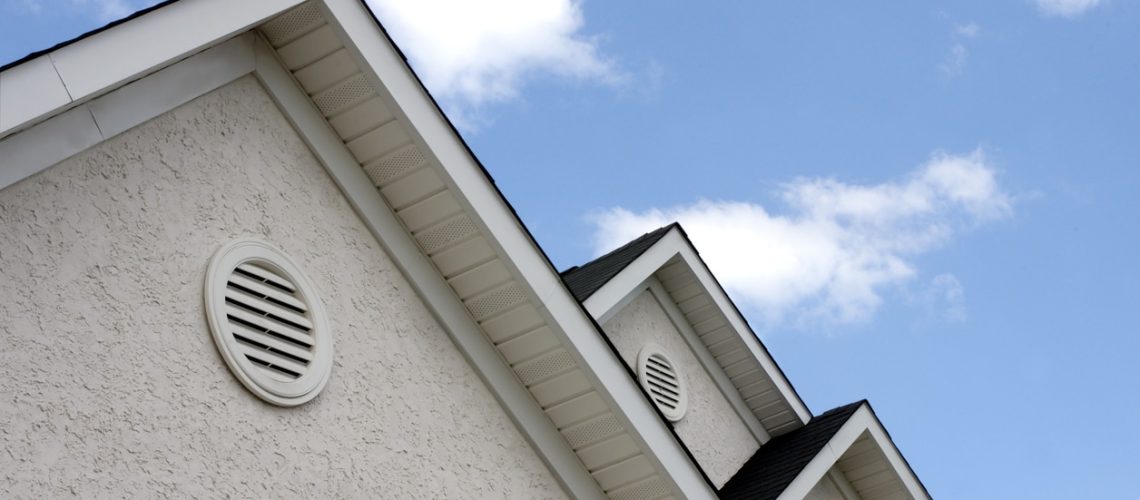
(776,464)
(586,279)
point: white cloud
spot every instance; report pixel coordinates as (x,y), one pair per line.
(473,53)
(955,61)
(830,256)
(969,30)
(945,298)
(1065,8)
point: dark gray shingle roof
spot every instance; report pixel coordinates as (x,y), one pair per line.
(586,279)
(769,472)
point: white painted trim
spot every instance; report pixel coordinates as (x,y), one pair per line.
(44,145)
(827,457)
(842,485)
(863,420)
(26,90)
(55,139)
(621,304)
(898,463)
(50,142)
(311,378)
(91,66)
(603,302)
(657,290)
(611,297)
(670,370)
(516,401)
(431,132)
(29,151)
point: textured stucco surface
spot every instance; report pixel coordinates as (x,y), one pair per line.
(111,385)
(711,429)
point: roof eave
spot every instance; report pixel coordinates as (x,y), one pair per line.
(674,247)
(47,83)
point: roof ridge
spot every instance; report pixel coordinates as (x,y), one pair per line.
(584,280)
(618,249)
(778,462)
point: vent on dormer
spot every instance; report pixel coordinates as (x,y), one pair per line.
(659,377)
(267,322)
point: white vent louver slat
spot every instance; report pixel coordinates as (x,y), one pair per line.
(659,378)
(267,323)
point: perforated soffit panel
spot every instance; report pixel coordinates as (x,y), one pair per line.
(413,187)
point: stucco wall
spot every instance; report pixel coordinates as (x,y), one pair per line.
(110,382)
(711,429)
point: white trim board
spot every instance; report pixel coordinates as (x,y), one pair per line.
(29,151)
(80,71)
(607,301)
(860,422)
(842,485)
(117,109)
(40,148)
(654,287)
(438,297)
(575,328)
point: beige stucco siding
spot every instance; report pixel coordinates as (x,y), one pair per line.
(711,430)
(110,382)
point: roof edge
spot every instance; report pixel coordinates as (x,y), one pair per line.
(586,279)
(604,297)
(81,36)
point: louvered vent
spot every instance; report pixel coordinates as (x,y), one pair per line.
(267,323)
(659,377)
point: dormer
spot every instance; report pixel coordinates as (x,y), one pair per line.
(727,400)
(655,294)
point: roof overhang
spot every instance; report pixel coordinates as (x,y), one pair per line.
(673,262)
(864,453)
(406,171)
(32,90)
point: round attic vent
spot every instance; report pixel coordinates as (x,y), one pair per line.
(660,379)
(268,323)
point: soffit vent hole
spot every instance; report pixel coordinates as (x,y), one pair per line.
(350,91)
(293,24)
(395,165)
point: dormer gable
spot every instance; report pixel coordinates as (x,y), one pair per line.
(655,293)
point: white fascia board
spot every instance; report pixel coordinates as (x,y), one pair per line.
(842,484)
(828,456)
(894,457)
(173,86)
(605,302)
(29,89)
(708,362)
(70,132)
(101,62)
(863,420)
(709,283)
(432,132)
(515,399)
(48,142)
(44,145)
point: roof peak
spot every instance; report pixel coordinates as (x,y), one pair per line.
(586,279)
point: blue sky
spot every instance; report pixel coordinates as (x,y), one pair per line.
(928,204)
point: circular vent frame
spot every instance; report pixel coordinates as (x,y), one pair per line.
(658,375)
(268,323)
